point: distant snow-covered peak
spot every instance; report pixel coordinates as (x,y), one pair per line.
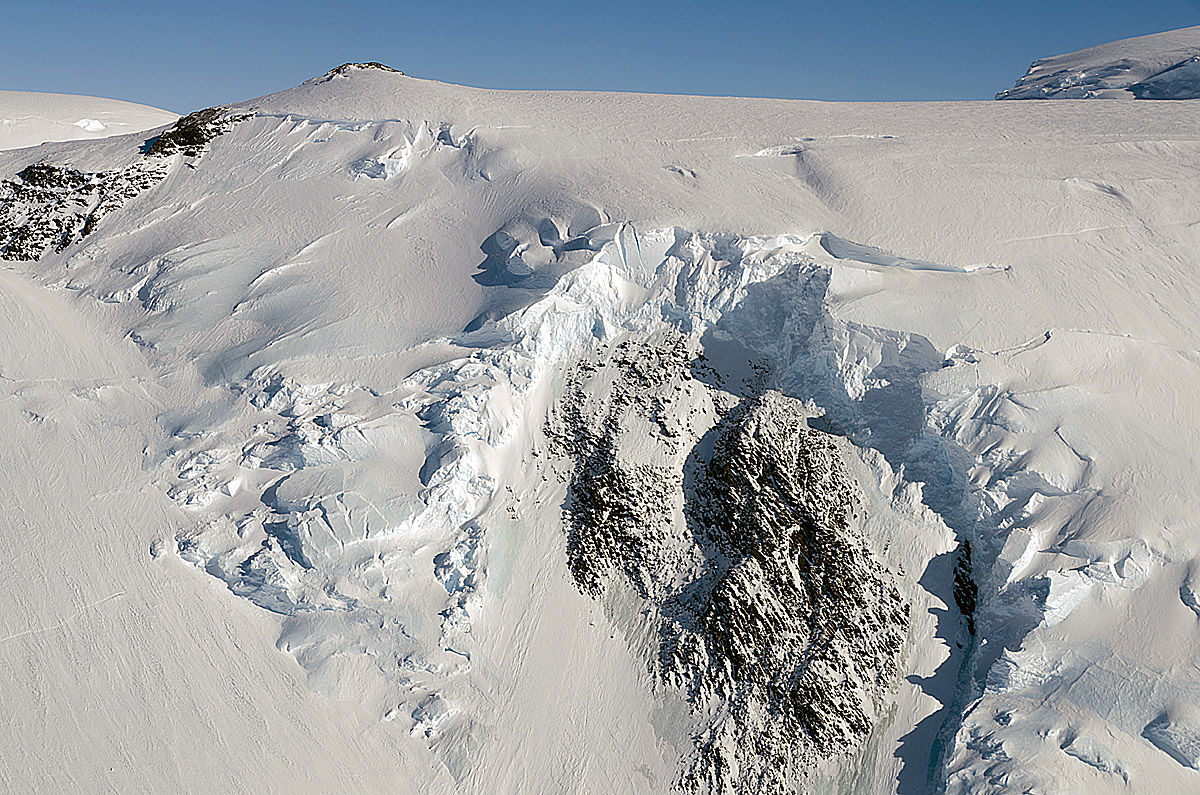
(1158,66)
(29,118)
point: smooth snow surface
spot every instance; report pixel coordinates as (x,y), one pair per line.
(282,514)
(29,118)
(1158,66)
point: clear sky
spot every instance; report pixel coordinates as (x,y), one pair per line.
(186,55)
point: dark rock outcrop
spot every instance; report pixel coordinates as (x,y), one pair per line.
(49,206)
(737,525)
(193,132)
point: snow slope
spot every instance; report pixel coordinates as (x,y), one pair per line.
(1159,66)
(289,506)
(28,118)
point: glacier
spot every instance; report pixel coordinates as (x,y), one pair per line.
(449,440)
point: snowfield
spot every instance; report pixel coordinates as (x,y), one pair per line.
(29,119)
(395,436)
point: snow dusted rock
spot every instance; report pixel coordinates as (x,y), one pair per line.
(192,133)
(737,524)
(52,206)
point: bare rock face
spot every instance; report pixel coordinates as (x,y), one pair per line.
(803,621)
(737,524)
(625,500)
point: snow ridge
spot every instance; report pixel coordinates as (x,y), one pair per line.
(29,118)
(1159,66)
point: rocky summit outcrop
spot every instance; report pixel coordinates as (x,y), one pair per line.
(347,68)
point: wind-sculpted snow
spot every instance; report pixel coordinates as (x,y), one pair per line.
(317,531)
(789,620)
(691,480)
(333,344)
(363,516)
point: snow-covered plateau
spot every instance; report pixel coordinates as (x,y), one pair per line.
(384,435)
(29,119)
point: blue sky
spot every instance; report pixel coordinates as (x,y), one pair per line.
(184,56)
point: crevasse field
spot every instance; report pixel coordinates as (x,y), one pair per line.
(383,435)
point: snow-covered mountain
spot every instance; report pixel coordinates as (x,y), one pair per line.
(1158,66)
(391,435)
(29,118)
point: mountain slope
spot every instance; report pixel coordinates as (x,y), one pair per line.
(534,441)
(1158,66)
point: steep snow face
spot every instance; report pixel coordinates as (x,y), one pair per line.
(473,440)
(29,119)
(1158,66)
